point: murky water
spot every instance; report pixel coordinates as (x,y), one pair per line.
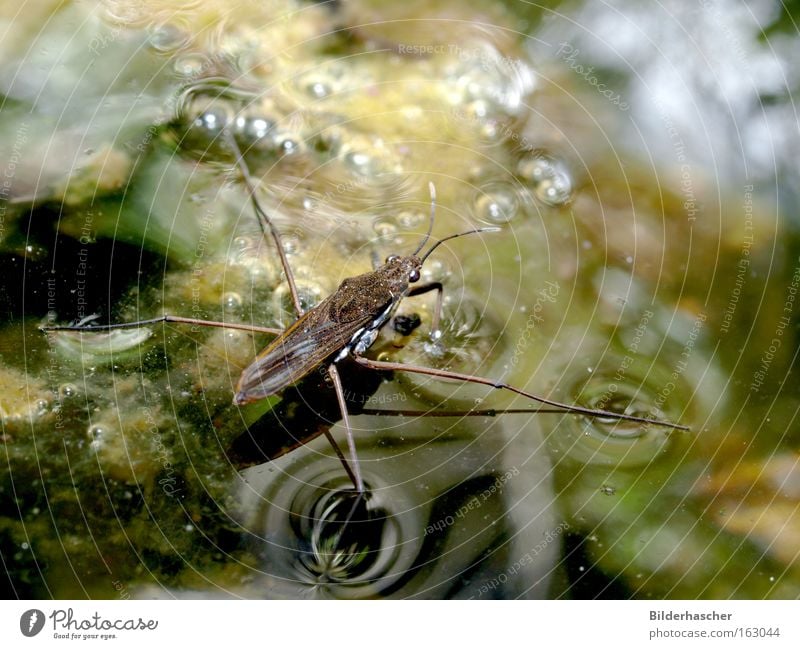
(646,263)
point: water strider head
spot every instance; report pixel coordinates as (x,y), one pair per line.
(401,271)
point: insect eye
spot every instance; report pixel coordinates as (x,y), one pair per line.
(392,258)
(413,276)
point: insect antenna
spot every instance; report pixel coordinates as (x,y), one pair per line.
(439,242)
(432,189)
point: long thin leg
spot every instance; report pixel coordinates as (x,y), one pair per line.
(341,457)
(437,313)
(445,374)
(265,222)
(485,412)
(337,385)
(164,318)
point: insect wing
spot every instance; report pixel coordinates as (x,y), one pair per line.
(307,343)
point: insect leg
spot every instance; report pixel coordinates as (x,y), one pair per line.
(164,318)
(356,472)
(264,222)
(437,312)
(445,374)
(342,458)
(484,412)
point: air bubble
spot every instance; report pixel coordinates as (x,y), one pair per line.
(288,144)
(231,301)
(359,162)
(497,203)
(548,177)
(291,244)
(67,390)
(321,82)
(435,270)
(212,121)
(243,243)
(410,219)
(190,65)
(96,432)
(384,228)
(252,132)
(166,38)
(310,294)
(97,435)
(318,88)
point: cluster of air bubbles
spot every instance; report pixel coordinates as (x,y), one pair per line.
(489,82)
(435,270)
(252,131)
(496,203)
(411,219)
(309,292)
(254,254)
(547,176)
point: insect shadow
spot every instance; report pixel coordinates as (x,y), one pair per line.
(336,333)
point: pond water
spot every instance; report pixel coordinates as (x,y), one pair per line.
(637,164)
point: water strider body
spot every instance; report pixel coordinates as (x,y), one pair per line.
(345,325)
(345,322)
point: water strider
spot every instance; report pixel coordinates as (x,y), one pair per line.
(345,325)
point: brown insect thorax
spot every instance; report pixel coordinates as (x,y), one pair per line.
(378,293)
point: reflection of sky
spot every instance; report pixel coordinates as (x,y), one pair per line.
(701,66)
